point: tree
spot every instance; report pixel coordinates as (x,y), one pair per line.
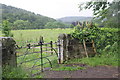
(6,30)
(21,24)
(49,25)
(72,26)
(112,19)
(55,24)
(104,11)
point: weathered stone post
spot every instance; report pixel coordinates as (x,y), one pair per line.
(72,47)
(8,51)
(69,48)
(62,47)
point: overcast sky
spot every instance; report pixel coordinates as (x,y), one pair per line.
(51,8)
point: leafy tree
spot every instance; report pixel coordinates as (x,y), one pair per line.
(49,25)
(112,19)
(55,24)
(72,26)
(104,11)
(20,24)
(6,30)
(59,24)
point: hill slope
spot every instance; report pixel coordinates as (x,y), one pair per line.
(17,17)
(71,19)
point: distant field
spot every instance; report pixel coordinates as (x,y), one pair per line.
(33,35)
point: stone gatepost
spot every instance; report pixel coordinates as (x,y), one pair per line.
(73,50)
(69,48)
(62,48)
(8,51)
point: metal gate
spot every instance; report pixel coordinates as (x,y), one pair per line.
(37,57)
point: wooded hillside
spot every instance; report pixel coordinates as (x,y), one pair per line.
(22,19)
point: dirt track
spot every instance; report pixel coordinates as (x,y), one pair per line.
(89,72)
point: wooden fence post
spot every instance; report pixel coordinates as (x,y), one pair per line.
(85,48)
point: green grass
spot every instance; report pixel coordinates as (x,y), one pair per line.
(33,35)
(101,60)
(67,68)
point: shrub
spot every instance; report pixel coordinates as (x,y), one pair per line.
(102,37)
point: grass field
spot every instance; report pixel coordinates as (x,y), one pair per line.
(33,35)
(21,36)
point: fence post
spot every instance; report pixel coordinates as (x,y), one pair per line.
(8,51)
(62,47)
(59,52)
(51,45)
(41,56)
(85,48)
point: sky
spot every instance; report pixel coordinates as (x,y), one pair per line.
(51,8)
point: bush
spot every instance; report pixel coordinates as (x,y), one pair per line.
(103,37)
(6,30)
